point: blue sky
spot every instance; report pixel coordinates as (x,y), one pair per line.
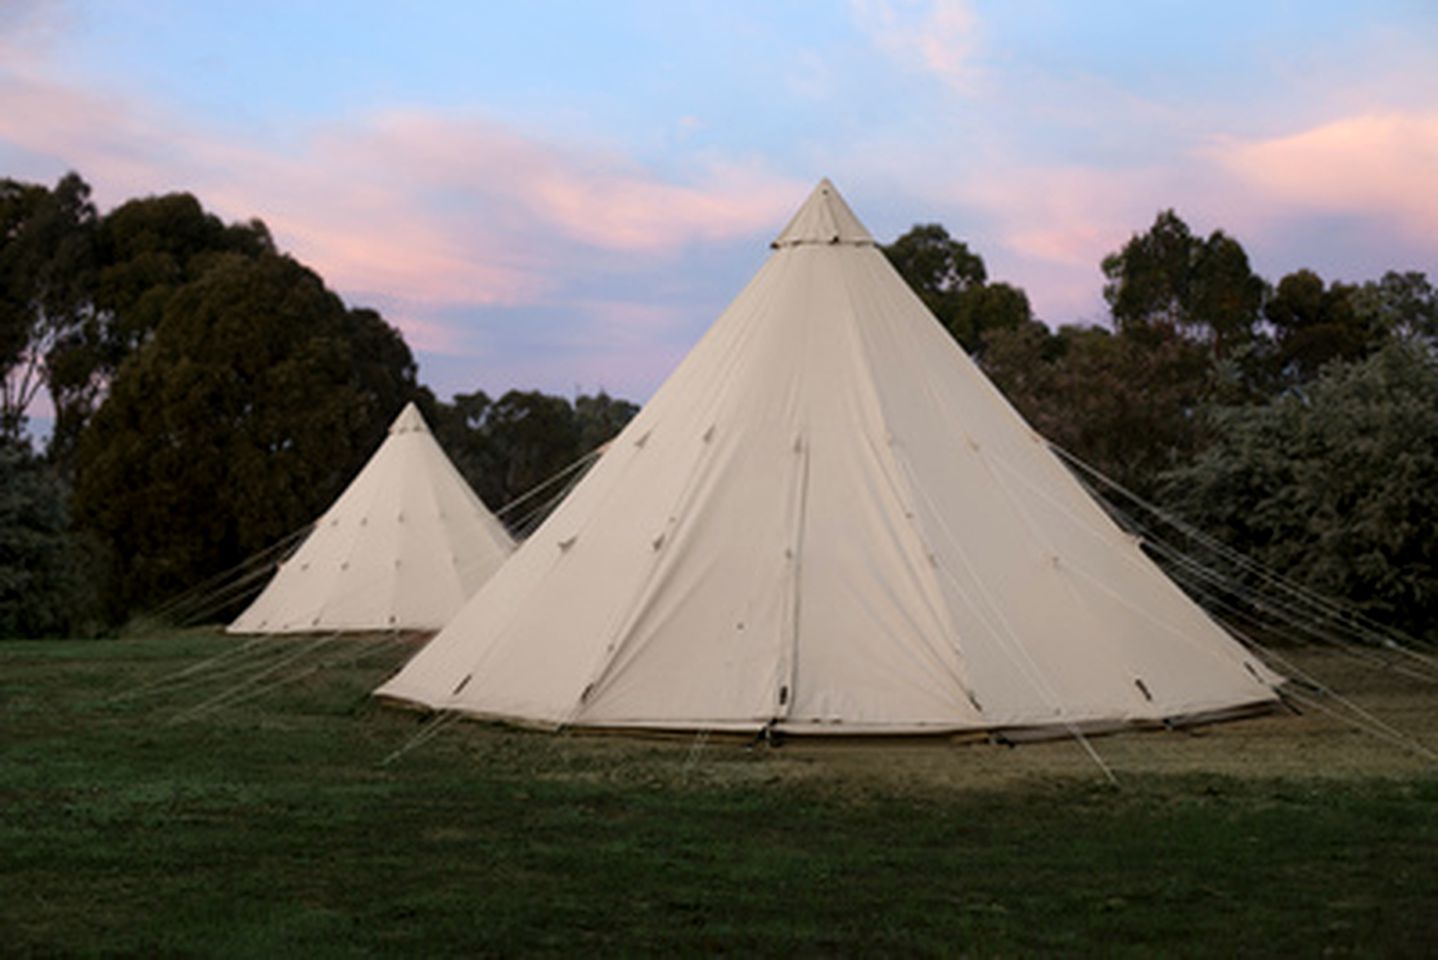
(564,195)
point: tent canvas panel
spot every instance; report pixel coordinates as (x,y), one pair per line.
(402,547)
(828,521)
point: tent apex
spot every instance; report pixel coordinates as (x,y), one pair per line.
(824,219)
(409,421)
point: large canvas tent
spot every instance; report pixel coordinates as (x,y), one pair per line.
(828,521)
(401,549)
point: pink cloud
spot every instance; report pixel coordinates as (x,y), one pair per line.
(428,210)
(583,194)
(1379,164)
(1047,228)
(1050,226)
(30,26)
(936,35)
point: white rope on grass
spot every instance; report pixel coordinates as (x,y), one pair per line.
(1375,725)
(1375,729)
(367,648)
(229,653)
(691,757)
(186,677)
(261,648)
(1367,721)
(441,721)
(231,692)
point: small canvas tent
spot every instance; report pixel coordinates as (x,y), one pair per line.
(828,521)
(401,549)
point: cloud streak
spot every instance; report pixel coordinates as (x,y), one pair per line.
(937,36)
(420,210)
(1048,226)
(1379,165)
(1043,137)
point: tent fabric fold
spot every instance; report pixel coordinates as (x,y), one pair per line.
(828,521)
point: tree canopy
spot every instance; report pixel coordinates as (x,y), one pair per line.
(253,402)
(953,283)
(47,264)
(144,250)
(1295,421)
(79,292)
(507,447)
(1334,486)
(1167,277)
(1126,404)
(43,585)
(211,395)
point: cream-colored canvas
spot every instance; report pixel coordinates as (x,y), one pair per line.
(401,549)
(828,521)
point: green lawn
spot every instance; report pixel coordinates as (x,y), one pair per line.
(272,827)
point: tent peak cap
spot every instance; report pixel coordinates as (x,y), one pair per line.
(824,218)
(410,420)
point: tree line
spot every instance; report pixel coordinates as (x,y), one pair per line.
(212,395)
(1296,421)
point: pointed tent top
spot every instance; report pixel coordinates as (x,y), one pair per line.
(636,605)
(824,218)
(409,421)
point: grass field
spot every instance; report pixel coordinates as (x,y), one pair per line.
(133,823)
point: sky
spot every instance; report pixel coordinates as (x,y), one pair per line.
(564,196)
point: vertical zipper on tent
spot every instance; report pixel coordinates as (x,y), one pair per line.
(789,654)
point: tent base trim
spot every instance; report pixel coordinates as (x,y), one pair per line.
(742,731)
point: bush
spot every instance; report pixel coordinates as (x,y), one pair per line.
(43,589)
(1335,485)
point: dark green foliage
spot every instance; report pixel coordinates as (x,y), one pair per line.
(1314,325)
(598,417)
(47,264)
(531,436)
(273,829)
(506,447)
(80,292)
(1335,486)
(43,590)
(144,250)
(953,283)
(210,395)
(1167,277)
(1124,402)
(248,409)
(1400,306)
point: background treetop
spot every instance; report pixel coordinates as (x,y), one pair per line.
(211,395)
